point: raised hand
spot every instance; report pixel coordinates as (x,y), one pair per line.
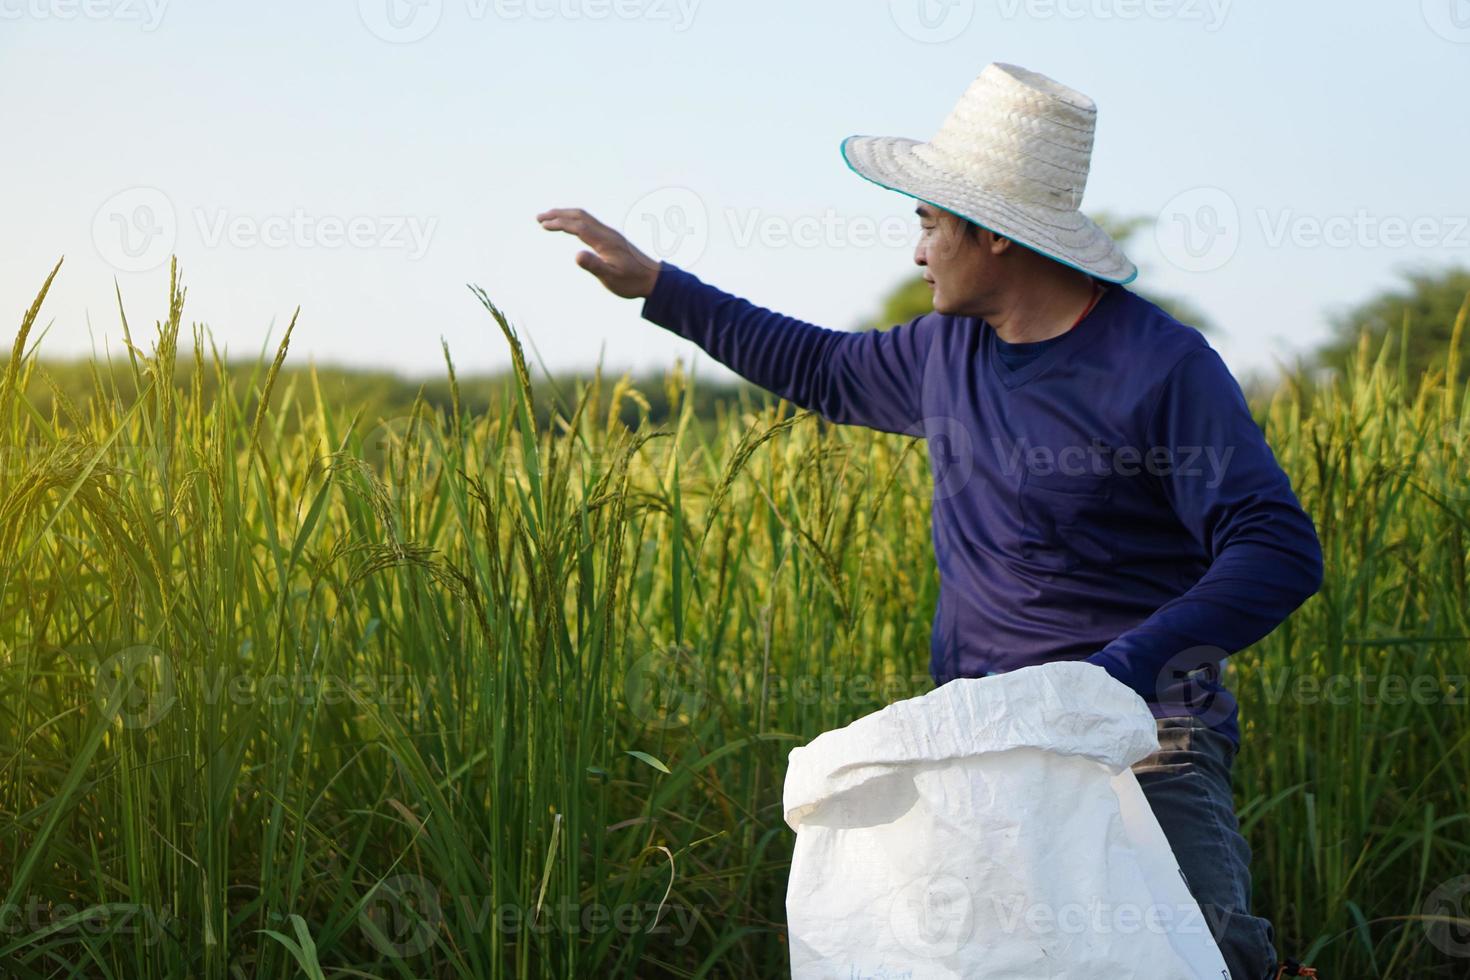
(622,268)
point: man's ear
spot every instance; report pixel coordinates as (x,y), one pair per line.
(986,238)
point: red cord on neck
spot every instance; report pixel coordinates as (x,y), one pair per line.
(1096,295)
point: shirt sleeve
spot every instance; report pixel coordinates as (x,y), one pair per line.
(1265,558)
(871,378)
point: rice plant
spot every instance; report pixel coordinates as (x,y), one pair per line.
(286,690)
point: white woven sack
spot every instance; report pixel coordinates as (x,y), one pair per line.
(990,828)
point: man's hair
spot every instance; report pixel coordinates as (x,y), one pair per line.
(974,230)
(971,228)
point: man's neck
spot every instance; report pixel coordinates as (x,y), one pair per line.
(1042,313)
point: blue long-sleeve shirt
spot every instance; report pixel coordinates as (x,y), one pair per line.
(1110,500)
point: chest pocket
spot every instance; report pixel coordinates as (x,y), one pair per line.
(1065,520)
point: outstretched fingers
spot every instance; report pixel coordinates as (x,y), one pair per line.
(578,222)
(610,256)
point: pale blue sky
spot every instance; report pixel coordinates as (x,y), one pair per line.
(410,167)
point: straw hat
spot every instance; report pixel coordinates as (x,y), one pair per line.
(1012,157)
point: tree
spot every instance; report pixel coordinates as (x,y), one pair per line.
(1427,306)
(912,298)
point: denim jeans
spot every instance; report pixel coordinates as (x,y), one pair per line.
(1187,783)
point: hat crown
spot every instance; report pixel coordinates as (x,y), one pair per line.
(1020,135)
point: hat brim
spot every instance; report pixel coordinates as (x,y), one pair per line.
(1068,237)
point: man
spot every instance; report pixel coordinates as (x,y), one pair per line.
(1101,489)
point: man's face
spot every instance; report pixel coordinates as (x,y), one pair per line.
(957,262)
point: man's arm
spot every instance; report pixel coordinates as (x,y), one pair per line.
(1265,559)
(871,378)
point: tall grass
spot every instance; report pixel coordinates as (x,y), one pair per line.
(1354,779)
(287,691)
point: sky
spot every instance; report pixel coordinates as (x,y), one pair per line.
(365,160)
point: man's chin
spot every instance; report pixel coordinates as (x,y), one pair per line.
(948,307)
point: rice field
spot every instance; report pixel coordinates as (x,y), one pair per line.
(291,691)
